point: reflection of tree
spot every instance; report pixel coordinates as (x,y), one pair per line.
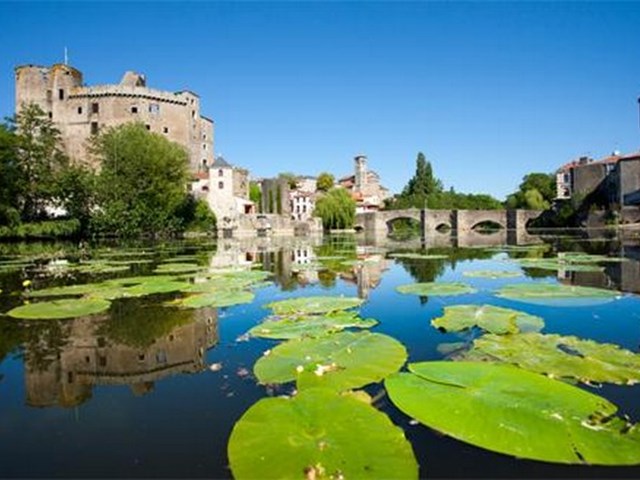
(11,337)
(43,341)
(133,323)
(327,278)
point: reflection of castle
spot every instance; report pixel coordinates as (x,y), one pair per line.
(368,274)
(88,359)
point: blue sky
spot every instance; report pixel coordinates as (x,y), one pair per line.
(488,91)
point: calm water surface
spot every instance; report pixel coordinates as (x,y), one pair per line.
(130,393)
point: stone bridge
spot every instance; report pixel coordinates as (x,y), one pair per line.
(433,221)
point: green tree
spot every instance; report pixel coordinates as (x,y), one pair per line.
(337,209)
(255,193)
(537,191)
(39,159)
(142,184)
(9,175)
(74,190)
(423,182)
(325,182)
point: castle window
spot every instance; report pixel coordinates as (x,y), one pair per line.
(165,129)
(204,136)
(148,126)
(154,108)
(204,162)
(205,188)
(61,94)
(102,361)
(134,109)
(193,114)
(221,185)
(94,128)
(50,115)
(49,95)
(79,110)
(204,146)
(95,108)
(220,173)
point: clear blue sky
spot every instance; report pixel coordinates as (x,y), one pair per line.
(488,91)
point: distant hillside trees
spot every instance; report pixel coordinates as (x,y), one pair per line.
(425,190)
(336,209)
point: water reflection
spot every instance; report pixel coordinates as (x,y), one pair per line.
(135,345)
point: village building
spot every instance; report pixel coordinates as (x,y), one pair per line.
(303,198)
(227,192)
(365,187)
(80,111)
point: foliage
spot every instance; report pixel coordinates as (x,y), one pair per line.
(424,190)
(337,209)
(318,434)
(56,309)
(196,215)
(309,305)
(74,190)
(255,193)
(297,326)
(536,192)
(436,289)
(558,356)
(39,159)
(492,319)
(45,229)
(9,175)
(340,361)
(325,182)
(142,182)
(523,414)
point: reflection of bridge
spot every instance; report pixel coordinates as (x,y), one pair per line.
(433,221)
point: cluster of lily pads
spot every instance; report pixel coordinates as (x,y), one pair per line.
(202,289)
(570,262)
(522,380)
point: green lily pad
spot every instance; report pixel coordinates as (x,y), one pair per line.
(318,434)
(556,264)
(340,361)
(219,299)
(561,356)
(492,319)
(579,257)
(309,325)
(177,268)
(57,309)
(493,274)
(436,289)
(512,411)
(557,294)
(97,267)
(311,305)
(419,256)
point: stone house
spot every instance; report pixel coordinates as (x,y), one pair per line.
(80,111)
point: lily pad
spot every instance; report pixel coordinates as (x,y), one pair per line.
(556,264)
(309,325)
(219,299)
(310,305)
(492,319)
(512,411)
(419,256)
(561,356)
(436,289)
(177,268)
(57,309)
(340,361)
(318,434)
(557,294)
(579,257)
(493,274)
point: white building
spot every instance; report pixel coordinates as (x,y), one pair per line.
(220,195)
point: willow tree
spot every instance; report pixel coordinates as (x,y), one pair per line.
(337,209)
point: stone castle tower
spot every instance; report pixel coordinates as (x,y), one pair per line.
(80,111)
(360,179)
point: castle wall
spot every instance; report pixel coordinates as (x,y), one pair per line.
(80,111)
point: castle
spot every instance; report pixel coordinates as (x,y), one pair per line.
(80,111)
